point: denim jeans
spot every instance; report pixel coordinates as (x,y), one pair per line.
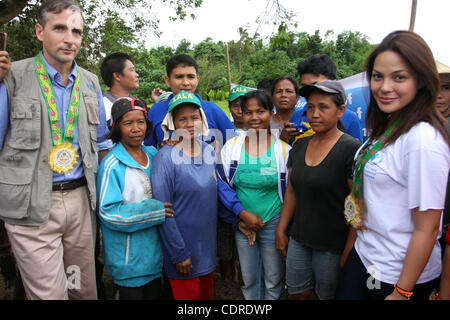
(309,269)
(262,266)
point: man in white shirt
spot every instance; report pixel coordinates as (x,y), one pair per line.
(118,73)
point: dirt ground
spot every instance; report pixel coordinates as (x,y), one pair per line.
(228,289)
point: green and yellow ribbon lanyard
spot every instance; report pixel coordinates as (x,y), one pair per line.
(352,209)
(63,156)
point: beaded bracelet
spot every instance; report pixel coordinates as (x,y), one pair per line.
(403,293)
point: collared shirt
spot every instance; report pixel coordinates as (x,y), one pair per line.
(63,95)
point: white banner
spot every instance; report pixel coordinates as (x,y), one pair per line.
(358,96)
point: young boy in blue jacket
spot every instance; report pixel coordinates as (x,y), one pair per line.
(182,75)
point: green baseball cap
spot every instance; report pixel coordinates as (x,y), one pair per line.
(183,97)
(237,92)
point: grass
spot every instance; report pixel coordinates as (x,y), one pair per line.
(224,106)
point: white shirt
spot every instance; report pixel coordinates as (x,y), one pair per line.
(108,106)
(410,173)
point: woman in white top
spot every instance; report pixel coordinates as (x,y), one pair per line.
(400,178)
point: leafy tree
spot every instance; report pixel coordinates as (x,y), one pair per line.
(213,51)
(266,63)
(109,24)
(283,40)
(314,42)
(239,50)
(118,25)
(10,9)
(184,47)
(351,50)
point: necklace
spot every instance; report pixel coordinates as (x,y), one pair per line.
(63,156)
(352,208)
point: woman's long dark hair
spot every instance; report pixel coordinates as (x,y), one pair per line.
(416,53)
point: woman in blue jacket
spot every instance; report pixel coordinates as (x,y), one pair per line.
(128,214)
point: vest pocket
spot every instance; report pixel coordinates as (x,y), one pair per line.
(15,192)
(91,103)
(93,120)
(25,124)
(93,136)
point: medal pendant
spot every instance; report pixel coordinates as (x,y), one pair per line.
(62,158)
(352,211)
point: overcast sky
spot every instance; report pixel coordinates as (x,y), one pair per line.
(221,19)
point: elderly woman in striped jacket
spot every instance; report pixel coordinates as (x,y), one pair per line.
(128,214)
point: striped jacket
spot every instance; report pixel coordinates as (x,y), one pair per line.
(128,218)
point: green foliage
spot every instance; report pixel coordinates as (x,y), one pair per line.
(214,52)
(183,47)
(110,25)
(252,60)
(351,51)
(118,25)
(266,63)
(22,42)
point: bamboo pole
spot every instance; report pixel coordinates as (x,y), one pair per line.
(413,15)
(228,65)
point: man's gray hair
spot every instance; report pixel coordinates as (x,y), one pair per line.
(56,6)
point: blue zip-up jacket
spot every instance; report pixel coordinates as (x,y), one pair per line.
(220,127)
(129,218)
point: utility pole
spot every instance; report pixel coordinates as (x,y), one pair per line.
(413,15)
(228,65)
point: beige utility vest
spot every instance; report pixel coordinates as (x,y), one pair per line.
(25,175)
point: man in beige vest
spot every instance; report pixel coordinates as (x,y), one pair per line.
(52,125)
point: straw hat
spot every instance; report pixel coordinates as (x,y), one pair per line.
(443,70)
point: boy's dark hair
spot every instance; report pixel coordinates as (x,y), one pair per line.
(261,95)
(115,62)
(318,64)
(56,6)
(182,60)
(266,84)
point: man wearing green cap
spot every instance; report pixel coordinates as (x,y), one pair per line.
(234,104)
